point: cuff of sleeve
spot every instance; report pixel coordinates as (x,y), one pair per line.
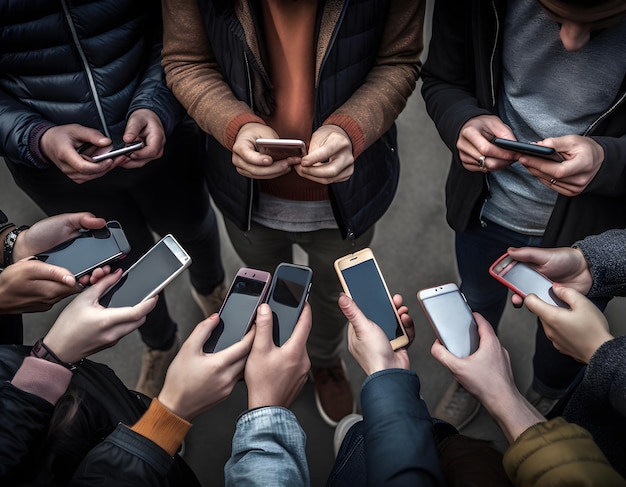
(42,378)
(235,125)
(162,426)
(353,130)
(34,139)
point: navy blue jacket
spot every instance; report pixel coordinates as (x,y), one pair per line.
(91,62)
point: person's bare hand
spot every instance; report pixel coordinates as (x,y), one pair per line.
(330,158)
(52,231)
(368,343)
(577,332)
(564,265)
(275,375)
(85,327)
(60,144)
(475,141)
(29,286)
(143,124)
(251,163)
(583,159)
(197,381)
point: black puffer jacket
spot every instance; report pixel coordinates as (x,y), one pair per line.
(91,62)
(92,448)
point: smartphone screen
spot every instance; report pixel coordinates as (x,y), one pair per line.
(369,292)
(94,248)
(526,280)
(287,295)
(149,275)
(451,318)
(237,313)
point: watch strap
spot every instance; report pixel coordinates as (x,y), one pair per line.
(40,350)
(9,244)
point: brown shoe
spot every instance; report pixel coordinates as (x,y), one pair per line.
(333,395)
(154,364)
(457,406)
(210,303)
(542,404)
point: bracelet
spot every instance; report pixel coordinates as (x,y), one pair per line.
(9,243)
(41,350)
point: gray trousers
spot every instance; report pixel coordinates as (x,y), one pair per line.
(264,248)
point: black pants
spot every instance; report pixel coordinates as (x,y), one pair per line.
(167,195)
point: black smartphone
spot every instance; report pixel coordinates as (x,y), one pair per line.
(363,281)
(451,318)
(90,250)
(246,293)
(149,275)
(523,280)
(529,149)
(287,294)
(89,151)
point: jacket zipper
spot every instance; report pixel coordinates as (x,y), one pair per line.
(83,58)
(605,114)
(250,181)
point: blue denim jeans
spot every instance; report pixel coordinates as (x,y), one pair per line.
(476,250)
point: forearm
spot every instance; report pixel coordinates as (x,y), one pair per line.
(268,449)
(378,102)
(194,76)
(513,413)
(607,262)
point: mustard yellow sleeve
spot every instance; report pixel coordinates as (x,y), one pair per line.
(163,427)
(557,453)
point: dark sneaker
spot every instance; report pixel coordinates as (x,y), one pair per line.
(457,406)
(333,395)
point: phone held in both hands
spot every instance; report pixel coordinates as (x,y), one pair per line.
(90,250)
(451,318)
(246,293)
(363,281)
(524,280)
(149,275)
(90,150)
(279,149)
(287,294)
(535,150)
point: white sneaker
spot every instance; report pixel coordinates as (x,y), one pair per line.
(342,429)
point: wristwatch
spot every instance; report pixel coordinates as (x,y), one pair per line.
(40,350)
(9,243)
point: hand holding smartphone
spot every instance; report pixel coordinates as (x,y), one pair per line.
(89,149)
(451,318)
(524,280)
(529,149)
(149,275)
(246,293)
(279,149)
(362,280)
(90,250)
(287,294)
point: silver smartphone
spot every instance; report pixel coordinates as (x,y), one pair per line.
(451,318)
(127,149)
(149,275)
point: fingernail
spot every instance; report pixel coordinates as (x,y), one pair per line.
(69,280)
(264,309)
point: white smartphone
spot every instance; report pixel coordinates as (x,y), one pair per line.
(118,152)
(246,293)
(279,149)
(149,275)
(451,318)
(524,280)
(363,281)
(287,294)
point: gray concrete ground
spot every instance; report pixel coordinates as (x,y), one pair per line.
(414,247)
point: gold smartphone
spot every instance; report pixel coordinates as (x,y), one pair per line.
(363,281)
